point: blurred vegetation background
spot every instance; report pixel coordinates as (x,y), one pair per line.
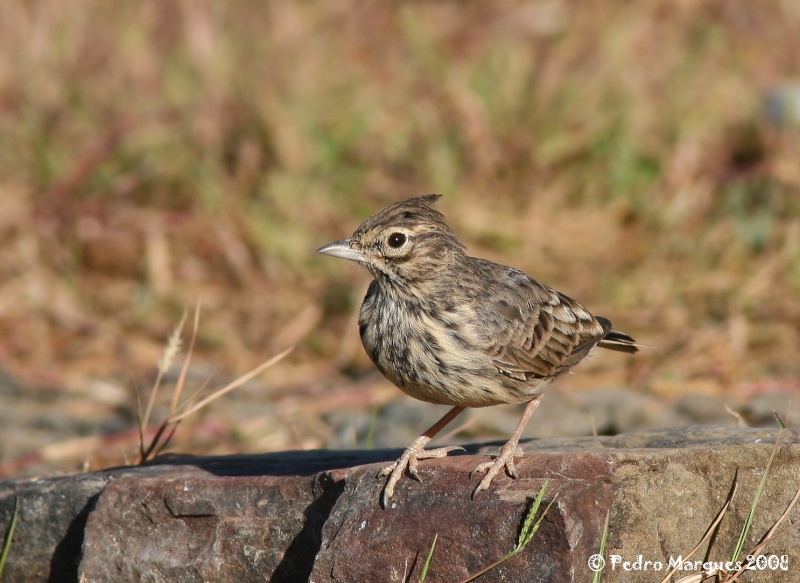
(642,157)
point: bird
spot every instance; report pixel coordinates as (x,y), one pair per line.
(452,329)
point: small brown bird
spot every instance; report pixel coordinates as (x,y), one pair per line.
(452,329)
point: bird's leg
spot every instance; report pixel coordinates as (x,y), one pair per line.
(416,451)
(507,453)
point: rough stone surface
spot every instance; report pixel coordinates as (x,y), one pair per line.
(661,489)
(300,516)
(362,542)
(50,524)
(222,519)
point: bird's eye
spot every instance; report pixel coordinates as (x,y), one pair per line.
(397,240)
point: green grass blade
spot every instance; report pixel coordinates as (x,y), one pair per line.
(9,537)
(529,528)
(750,515)
(602,551)
(427,562)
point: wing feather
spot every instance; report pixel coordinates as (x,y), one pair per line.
(535,332)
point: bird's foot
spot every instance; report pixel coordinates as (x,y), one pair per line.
(413,453)
(504,460)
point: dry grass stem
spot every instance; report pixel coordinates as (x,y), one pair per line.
(231,386)
(178,411)
(176,340)
(170,353)
(771,535)
(708,533)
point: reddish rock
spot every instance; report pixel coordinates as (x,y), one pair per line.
(300,516)
(362,542)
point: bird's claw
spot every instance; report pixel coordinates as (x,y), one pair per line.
(504,460)
(408,461)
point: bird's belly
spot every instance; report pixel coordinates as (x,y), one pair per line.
(434,362)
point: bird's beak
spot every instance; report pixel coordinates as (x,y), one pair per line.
(343,250)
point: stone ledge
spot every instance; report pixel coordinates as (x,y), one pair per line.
(297,516)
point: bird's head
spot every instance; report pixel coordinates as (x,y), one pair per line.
(404,243)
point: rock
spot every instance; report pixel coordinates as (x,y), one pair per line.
(50,525)
(219,519)
(362,542)
(298,516)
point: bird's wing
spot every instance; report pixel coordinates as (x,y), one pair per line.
(534,331)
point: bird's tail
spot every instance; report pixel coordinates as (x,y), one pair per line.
(616,340)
